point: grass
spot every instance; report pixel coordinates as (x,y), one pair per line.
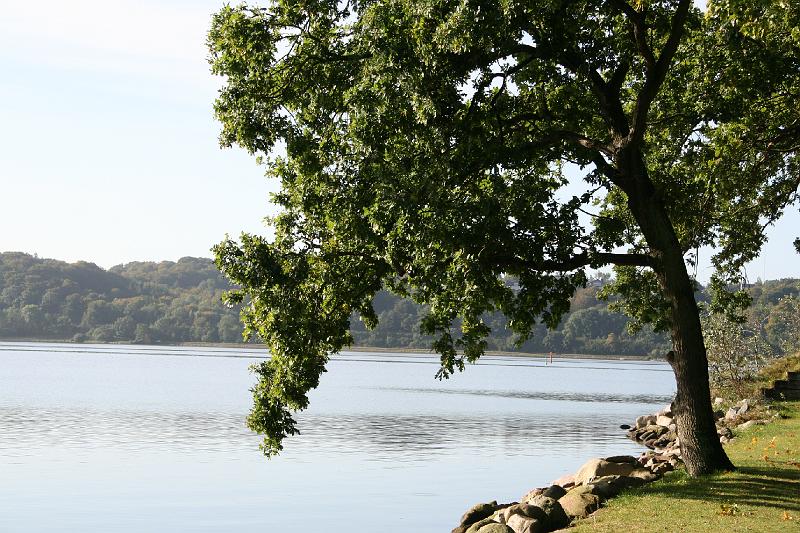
(763,495)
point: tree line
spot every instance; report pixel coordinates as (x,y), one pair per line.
(176,302)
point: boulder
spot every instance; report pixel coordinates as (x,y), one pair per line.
(474,528)
(524,509)
(596,468)
(644,474)
(661,468)
(579,502)
(732,413)
(567,481)
(609,486)
(725,432)
(622,459)
(524,524)
(749,424)
(531,493)
(663,421)
(554,491)
(645,420)
(494,527)
(554,515)
(475,514)
(743,406)
(718,401)
(488,526)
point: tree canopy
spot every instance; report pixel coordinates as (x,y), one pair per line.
(424,146)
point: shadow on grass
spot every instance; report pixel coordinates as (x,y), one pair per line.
(776,486)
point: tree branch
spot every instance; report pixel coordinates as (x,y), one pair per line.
(639,29)
(658,74)
(583,259)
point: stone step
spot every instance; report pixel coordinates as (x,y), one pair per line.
(774,394)
(787,386)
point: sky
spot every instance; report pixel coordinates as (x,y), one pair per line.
(108,145)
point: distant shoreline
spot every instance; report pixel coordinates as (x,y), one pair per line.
(233,345)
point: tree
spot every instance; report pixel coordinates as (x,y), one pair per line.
(425,146)
(736,351)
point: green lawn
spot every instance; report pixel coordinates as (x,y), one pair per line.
(762,495)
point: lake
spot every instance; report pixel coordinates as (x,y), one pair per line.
(146,438)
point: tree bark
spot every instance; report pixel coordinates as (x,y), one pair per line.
(694,417)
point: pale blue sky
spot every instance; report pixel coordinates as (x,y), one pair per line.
(108,147)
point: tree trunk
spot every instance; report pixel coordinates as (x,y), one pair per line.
(694,417)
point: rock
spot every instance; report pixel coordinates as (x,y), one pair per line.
(725,432)
(522,518)
(609,486)
(718,401)
(629,459)
(531,493)
(567,481)
(664,421)
(644,474)
(579,502)
(596,468)
(666,411)
(554,515)
(719,414)
(732,413)
(497,528)
(523,524)
(749,424)
(661,468)
(645,420)
(524,509)
(554,491)
(474,528)
(624,426)
(477,513)
(604,488)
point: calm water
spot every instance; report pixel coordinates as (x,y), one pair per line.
(131,438)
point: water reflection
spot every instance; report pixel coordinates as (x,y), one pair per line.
(30,432)
(411,438)
(565,396)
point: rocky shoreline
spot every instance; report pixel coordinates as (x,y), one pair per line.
(576,496)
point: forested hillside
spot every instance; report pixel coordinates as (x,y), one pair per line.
(174,302)
(137,302)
